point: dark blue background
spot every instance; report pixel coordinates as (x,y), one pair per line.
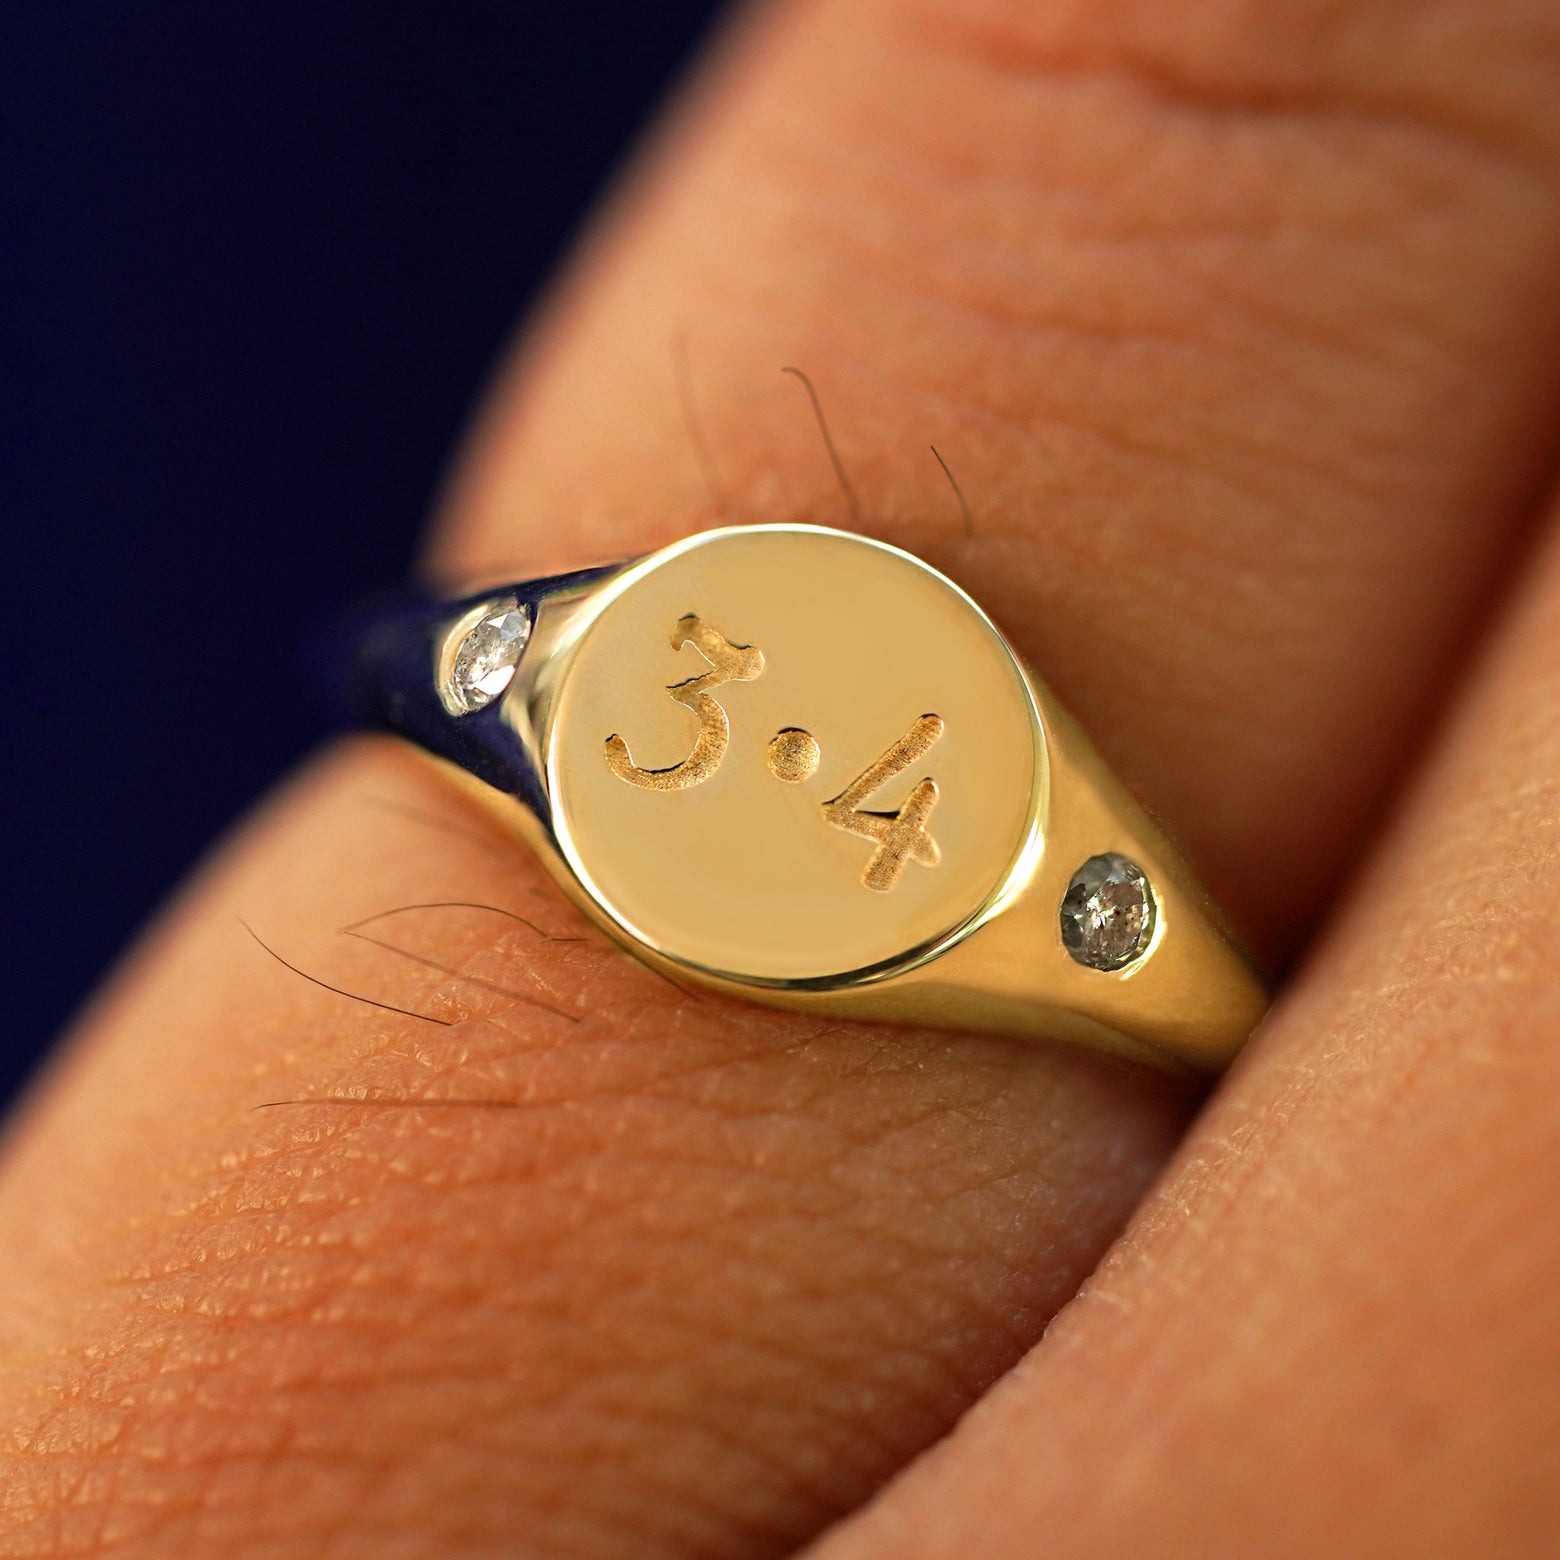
(255,264)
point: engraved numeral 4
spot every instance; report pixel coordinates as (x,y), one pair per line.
(900,836)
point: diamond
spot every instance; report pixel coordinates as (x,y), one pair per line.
(1108,913)
(485,660)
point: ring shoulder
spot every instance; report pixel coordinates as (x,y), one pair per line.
(389,664)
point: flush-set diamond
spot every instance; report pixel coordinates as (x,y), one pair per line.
(1108,913)
(484,662)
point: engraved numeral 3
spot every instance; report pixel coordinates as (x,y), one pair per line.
(900,836)
(731,663)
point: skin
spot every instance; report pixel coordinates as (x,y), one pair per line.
(1236,320)
(1334,1327)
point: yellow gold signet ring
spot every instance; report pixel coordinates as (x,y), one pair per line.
(803,767)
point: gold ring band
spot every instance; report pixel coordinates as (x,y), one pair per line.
(803,767)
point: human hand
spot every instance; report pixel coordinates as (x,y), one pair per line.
(1237,323)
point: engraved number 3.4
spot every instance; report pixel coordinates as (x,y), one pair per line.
(729,663)
(897,837)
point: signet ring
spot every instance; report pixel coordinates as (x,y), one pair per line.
(803,767)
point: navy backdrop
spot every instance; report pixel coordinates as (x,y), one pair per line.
(257,261)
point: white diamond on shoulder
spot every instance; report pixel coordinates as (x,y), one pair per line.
(1108,913)
(485,661)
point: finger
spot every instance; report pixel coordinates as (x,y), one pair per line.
(1236,322)
(710,1275)
(691,1281)
(1335,1330)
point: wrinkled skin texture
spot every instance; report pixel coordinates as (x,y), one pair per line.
(1237,321)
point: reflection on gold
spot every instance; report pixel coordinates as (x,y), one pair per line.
(793,754)
(751,887)
(900,836)
(748,875)
(731,663)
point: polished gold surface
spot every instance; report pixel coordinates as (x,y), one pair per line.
(708,859)
(802,766)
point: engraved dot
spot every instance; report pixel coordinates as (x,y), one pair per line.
(1108,913)
(793,754)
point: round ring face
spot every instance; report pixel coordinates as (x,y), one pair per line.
(784,754)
